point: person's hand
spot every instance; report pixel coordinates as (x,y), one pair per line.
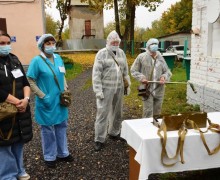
(46,101)
(162,80)
(100,95)
(22,105)
(144,81)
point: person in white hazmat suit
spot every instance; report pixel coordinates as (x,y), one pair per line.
(109,68)
(151,66)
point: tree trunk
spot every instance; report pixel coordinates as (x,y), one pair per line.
(63,8)
(117,21)
(127,17)
(132,18)
(60,40)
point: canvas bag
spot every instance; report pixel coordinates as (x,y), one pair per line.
(182,123)
(174,122)
(7,109)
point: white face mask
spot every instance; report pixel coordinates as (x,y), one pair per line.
(50,49)
(153,48)
(114,48)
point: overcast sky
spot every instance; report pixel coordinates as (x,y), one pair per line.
(143,17)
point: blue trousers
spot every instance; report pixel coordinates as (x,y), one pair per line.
(54,141)
(11,161)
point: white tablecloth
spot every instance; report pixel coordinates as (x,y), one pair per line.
(142,136)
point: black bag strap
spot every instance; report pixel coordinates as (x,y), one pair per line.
(55,78)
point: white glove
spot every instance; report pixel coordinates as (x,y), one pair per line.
(128,90)
(128,79)
(100,95)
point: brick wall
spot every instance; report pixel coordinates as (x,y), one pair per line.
(205,65)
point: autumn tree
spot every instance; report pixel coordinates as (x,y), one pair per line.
(109,27)
(51,25)
(66,34)
(176,19)
(124,13)
(63,7)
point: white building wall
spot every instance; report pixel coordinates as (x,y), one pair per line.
(205,60)
(77,17)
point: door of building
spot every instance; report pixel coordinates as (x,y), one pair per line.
(88,27)
(3,26)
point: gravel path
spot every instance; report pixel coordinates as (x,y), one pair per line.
(109,164)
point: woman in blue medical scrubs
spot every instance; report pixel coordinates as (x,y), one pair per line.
(49,113)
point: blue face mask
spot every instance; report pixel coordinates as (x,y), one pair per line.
(5,50)
(49,49)
(153,47)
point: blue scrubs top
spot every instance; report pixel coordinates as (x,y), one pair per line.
(48,110)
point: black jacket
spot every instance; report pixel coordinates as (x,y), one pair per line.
(22,130)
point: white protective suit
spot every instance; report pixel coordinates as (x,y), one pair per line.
(109,89)
(142,68)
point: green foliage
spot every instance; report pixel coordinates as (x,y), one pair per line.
(175,97)
(72,73)
(110,27)
(66,34)
(51,25)
(67,60)
(178,18)
(63,7)
(139,34)
(75,71)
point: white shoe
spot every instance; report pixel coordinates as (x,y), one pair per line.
(25,176)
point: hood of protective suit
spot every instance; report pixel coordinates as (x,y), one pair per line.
(151,41)
(40,42)
(113,36)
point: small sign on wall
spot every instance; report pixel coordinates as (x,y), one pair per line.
(37,38)
(13,38)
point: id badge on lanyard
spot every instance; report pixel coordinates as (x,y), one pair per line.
(17,73)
